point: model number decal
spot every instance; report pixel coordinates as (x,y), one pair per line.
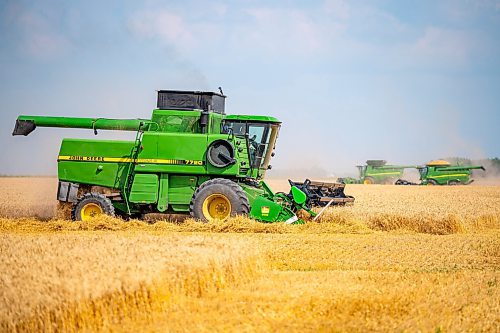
(193,162)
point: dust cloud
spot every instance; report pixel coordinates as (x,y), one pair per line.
(491,176)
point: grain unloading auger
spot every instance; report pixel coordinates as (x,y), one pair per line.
(190,157)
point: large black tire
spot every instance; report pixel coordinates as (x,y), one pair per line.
(218,198)
(90,205)
(432,182)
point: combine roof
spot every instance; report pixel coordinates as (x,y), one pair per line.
(265,119)
(438,163)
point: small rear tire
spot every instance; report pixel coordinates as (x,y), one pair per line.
(91,205)
(368,181)
(454,182)
(218,199)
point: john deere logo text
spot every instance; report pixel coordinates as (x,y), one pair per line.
(264,211)
(86,158)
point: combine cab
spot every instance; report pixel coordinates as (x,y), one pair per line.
(190,157)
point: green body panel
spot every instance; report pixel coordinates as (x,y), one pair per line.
(266,210)
(144,189)
(181,189)
(215,123)
(252,192)
(267,206)
(384,174)
(82,161)
(444,175)
(176,121)
(163,196)
(298,196)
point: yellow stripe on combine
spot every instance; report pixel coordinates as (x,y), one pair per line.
(383,173)
(128,160)
(451,175)
(117,159)
(159,161)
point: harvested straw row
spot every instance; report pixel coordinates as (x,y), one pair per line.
(88,282)
(332,221)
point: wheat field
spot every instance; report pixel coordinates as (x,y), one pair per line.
(403,259)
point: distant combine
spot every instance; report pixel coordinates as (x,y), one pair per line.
(377,172)
(436,172)
(441,172)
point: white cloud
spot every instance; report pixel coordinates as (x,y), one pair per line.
(219,9)
(262,30)
(442,45)
(162,24)
(339,8)
(39,37)
(336,30)
(284,31)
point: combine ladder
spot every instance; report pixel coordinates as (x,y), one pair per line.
(127,185)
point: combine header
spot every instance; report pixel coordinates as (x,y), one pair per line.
(322,194)
(190,157)
(377,172)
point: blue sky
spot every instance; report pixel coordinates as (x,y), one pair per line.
(406,81)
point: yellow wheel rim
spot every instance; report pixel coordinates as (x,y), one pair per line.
(430,184)
(216,207)
(90,210)
(367,182)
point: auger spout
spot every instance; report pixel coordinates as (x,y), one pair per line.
(27,124)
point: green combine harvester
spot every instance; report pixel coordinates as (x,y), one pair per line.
(377,172)
(440,172)
(190,157)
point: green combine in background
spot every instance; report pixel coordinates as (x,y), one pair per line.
(440,172)
(377,172)
(190,157)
